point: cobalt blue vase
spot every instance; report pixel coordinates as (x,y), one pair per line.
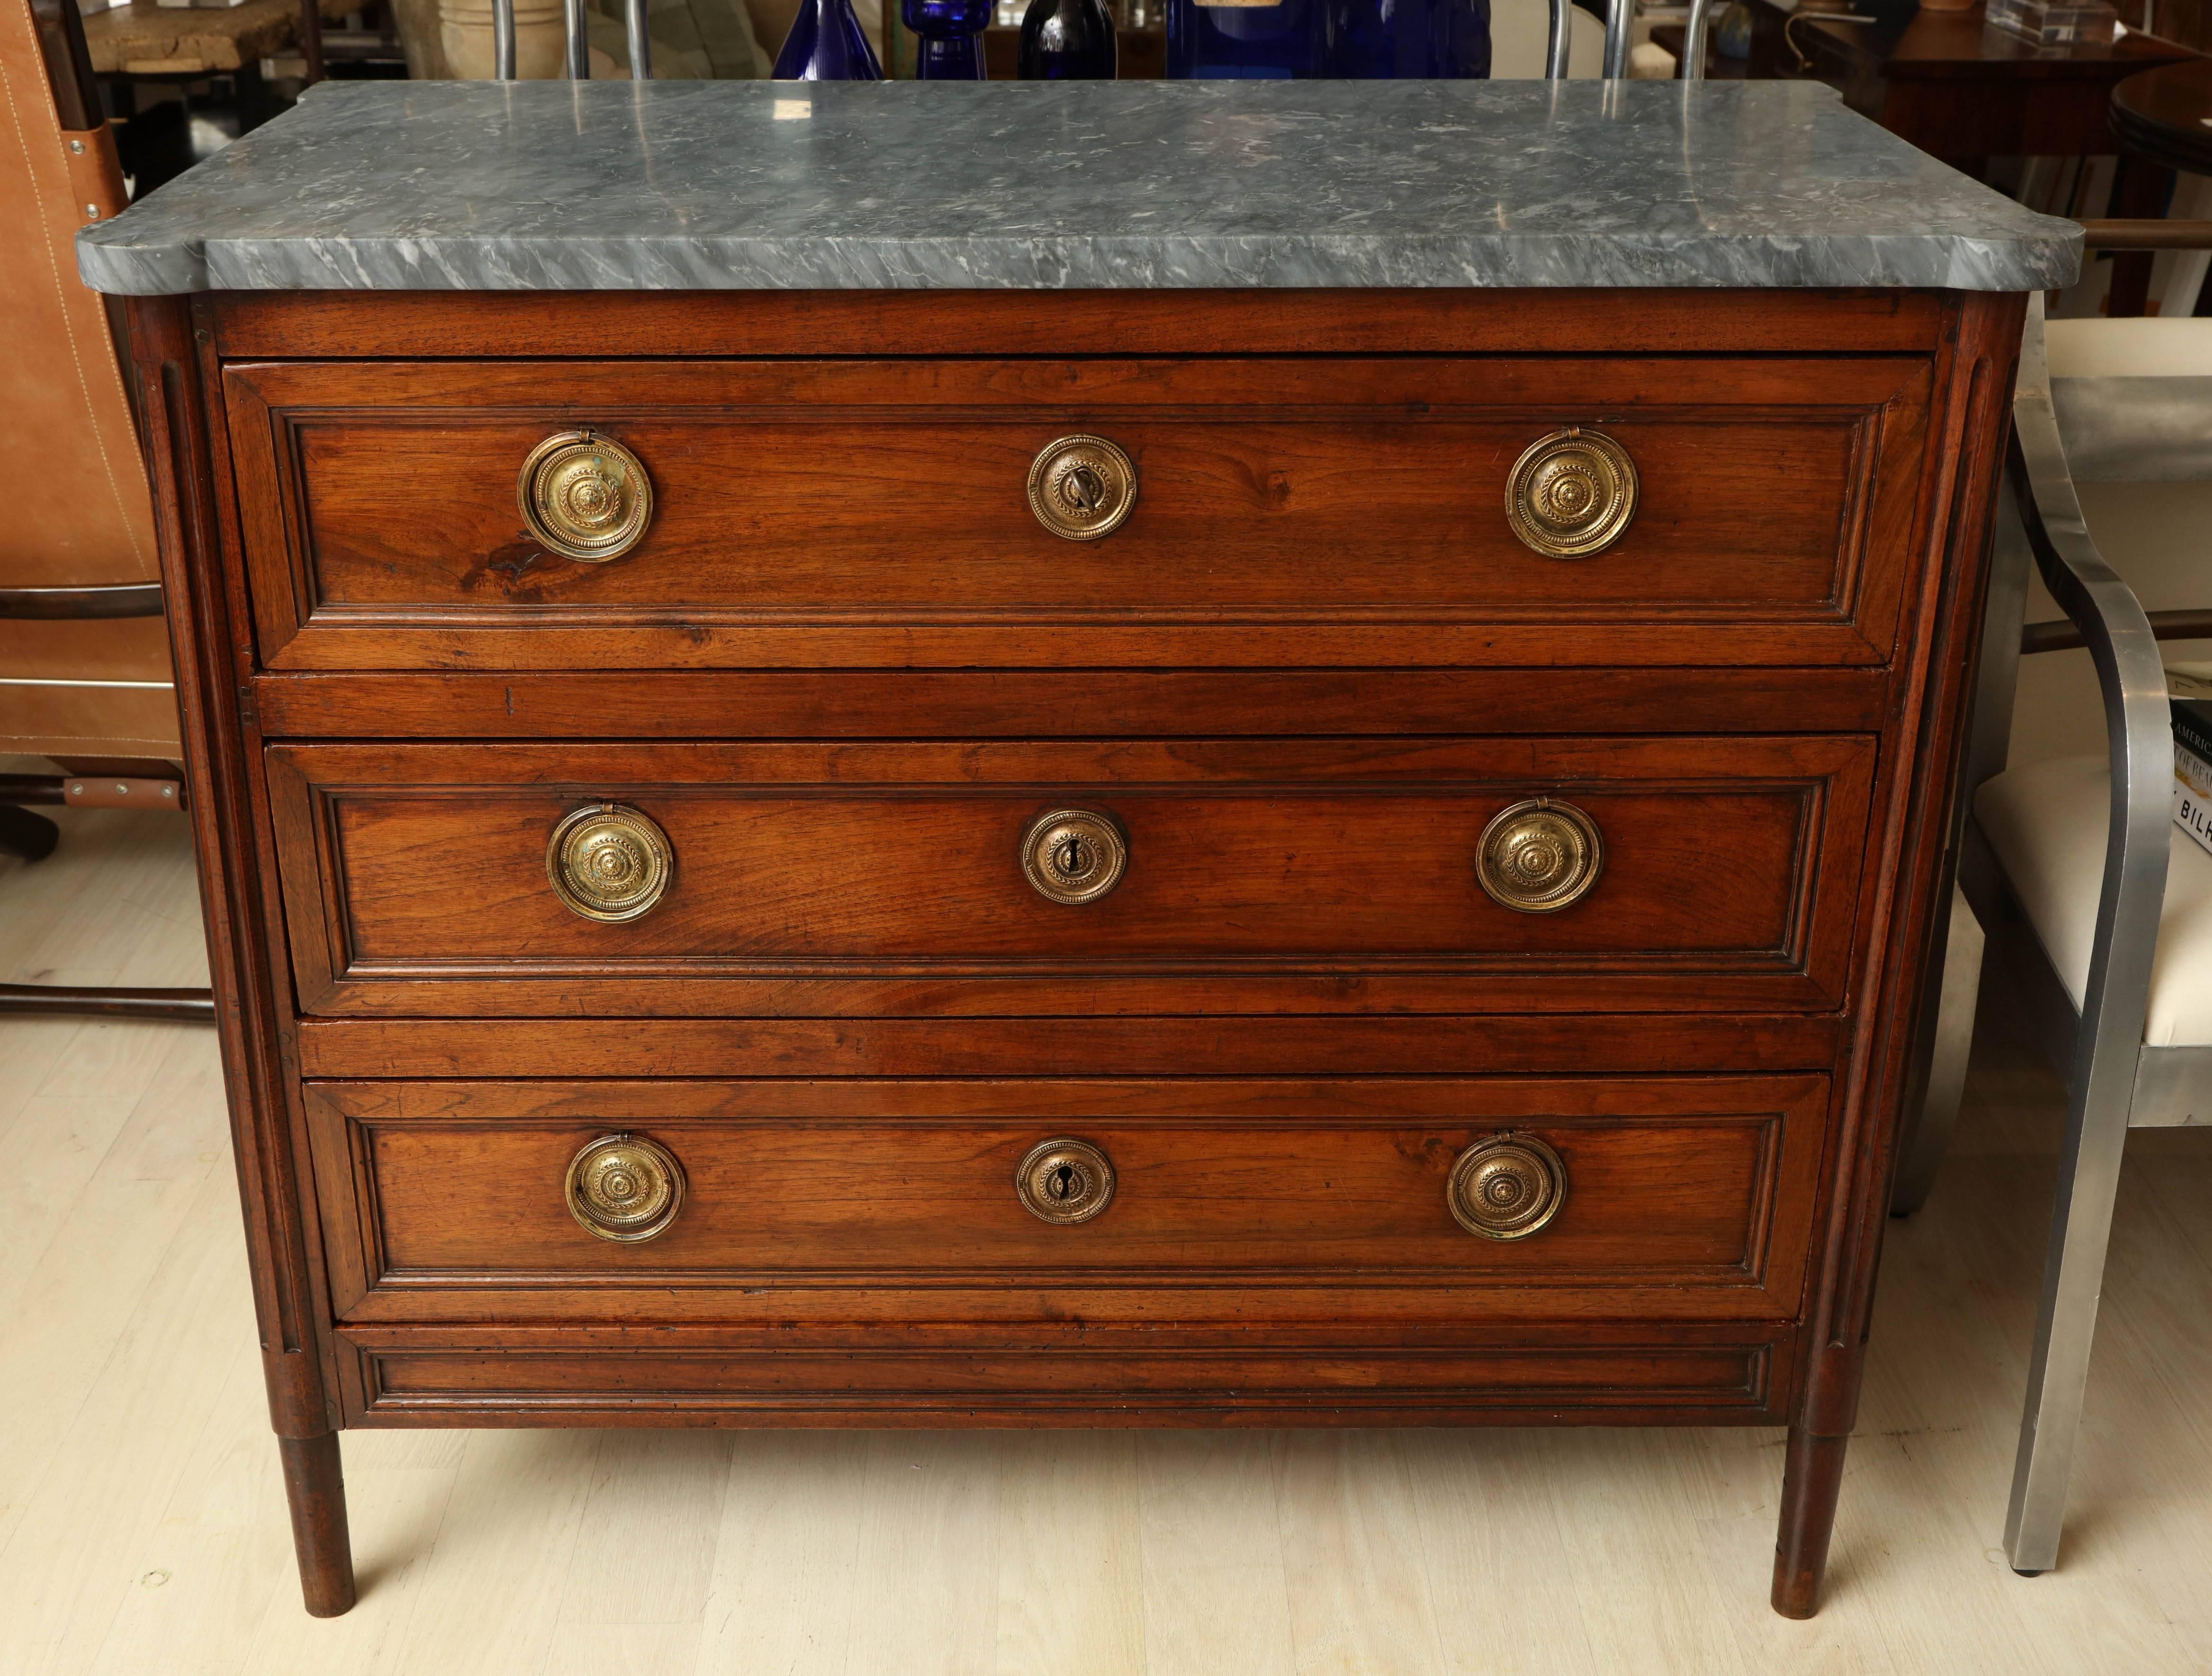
(1358,40)
(1382,40)
(826,44)
(1287,40)
(949,36)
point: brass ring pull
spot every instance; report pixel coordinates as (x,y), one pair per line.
(624,1187)
(1539,856)
(585,497)
(1074,855)
(607,861)
(1082,487)
(1506,1187)
(1571,494)
(1064,1181)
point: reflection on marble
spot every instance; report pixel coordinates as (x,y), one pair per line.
(730,185)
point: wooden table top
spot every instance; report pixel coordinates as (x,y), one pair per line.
(2166,114)
(1930,46)
(144,38)
(1946,45)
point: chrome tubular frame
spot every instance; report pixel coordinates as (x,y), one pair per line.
(1620,14)
(1694,40)
(502,39)
(1560,39)
(580,40)
(641,42)
(2117,998)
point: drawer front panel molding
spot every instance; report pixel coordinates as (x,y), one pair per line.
(1725,1375)
(1325,875)
(1692,1190)
(1271,512)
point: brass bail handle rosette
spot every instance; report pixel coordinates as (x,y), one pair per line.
(1506,1187)
(624,1187)
(1571,494)
(585,496)
(609,862)
(1082,487)
(1539,856)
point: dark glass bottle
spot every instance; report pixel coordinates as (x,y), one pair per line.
(826,44)
(948,38)
(1289,39)
(1393,40)
(1067,41)
(1354,39)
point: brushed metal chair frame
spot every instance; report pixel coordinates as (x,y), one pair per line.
(578,28)
(2118,429)
(1619,15)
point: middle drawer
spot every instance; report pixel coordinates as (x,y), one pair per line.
(1012,877)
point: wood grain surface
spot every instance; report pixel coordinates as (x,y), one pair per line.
(1693,1187)
(815,671)
(1260,875)
(828,511)
(654,324)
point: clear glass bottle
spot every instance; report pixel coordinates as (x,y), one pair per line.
(826,44)
(948,38)
(1067,41)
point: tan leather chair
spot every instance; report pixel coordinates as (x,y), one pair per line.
(84,655)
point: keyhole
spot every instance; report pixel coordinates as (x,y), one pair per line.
(1063,1182)
(1069,858)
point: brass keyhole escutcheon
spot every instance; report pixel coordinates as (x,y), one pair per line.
(1571,494)
(1082,487)
(1539,856)
(609,862)
(585,497)
(1074,855)
(624,1187)
(1064,1181)
(1506,1187)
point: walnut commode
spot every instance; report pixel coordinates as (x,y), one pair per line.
(1367,927)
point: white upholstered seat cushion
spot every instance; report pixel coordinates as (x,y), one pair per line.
(2047,823)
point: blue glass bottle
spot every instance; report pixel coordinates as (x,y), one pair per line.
(948,38)
(1362,39)
(1410,39)
(826,44)
(1287,39)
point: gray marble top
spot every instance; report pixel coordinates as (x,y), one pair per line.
(462,185)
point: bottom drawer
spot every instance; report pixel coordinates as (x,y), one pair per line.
(817,1203)
(1343,1374)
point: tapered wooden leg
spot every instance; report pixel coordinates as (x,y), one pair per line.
(1811,1475)
(314,1484)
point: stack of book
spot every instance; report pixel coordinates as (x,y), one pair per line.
(2189,690)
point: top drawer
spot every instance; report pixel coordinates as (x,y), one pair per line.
(1285,512)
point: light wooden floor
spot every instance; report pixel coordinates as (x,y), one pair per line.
(141,1527)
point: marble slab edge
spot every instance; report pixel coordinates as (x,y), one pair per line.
(560,263)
